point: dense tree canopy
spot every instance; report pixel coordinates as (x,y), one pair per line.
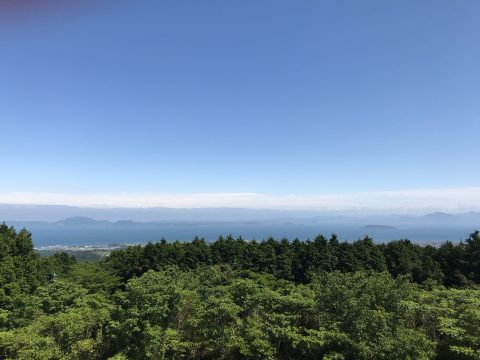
(451,265)
(238,299)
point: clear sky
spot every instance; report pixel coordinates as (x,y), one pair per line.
(265,97)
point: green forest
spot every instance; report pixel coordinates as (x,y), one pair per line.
(240,299)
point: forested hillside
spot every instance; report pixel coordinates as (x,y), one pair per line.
(453,265)
(238,299)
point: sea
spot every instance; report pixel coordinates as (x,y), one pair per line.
(52,235)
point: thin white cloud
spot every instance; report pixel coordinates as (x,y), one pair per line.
(452,199)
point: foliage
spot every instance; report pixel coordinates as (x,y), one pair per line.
(238,299)
(20,274)
(76,333)
(451,265)
(452,318)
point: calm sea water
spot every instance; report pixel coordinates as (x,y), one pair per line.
(44,235)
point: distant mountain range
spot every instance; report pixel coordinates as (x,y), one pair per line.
(53,213)
(185,217)
(128,217)
(94,226)
(83,221)
(442,218)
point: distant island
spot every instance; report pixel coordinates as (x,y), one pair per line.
(99,226)
(380,227)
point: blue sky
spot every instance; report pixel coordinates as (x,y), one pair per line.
(264,97)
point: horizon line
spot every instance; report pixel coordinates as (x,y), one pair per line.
(433,199)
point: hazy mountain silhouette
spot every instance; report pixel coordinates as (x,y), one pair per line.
(128,217)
